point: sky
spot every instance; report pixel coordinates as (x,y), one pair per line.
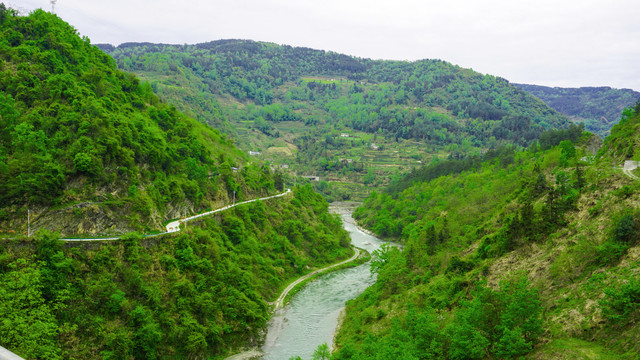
(565,43)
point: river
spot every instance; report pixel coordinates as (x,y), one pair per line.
(311,316)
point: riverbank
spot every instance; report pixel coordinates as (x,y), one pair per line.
(360,256)
(311,317)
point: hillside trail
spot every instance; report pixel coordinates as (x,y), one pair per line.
(174,226)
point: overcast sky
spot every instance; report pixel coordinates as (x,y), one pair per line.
(568,43)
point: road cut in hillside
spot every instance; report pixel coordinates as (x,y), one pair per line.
(174,226)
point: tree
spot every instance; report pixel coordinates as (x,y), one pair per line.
(28,325)
(322,352)
(380,257)
(83,163)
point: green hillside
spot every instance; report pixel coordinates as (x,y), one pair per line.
(348,120)
(81,140)
(624,142)
(87,148)
(598,108)
(198,294)
(532,253)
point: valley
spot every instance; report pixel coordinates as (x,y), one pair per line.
(348,121)
(160,201)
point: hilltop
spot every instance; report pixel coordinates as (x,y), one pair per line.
(345,119)
(91,149)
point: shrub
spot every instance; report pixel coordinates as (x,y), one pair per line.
(622,302)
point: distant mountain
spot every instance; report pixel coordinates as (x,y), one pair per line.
(347,119)
(598,108)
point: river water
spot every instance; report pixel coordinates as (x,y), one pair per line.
(311,316)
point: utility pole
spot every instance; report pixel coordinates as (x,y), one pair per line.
(234,197)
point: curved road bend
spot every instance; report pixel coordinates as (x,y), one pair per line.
(174,226)
(279,303)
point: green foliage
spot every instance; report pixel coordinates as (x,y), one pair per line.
(28,327)
(622,301)
(502,323)
(195,294)
(623,142)
(627,229)
(73,123)
(624,233)
(322,352)
(380,257)
(624,192)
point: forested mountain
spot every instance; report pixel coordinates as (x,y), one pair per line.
(598,108)
(347,119)
(526,253)
(89,148)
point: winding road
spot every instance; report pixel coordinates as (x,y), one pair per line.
(174,226)
(280,301)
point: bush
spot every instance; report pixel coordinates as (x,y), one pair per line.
(622,302)
(609,252)
(626,230)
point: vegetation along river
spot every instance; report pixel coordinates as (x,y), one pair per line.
(311,316)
